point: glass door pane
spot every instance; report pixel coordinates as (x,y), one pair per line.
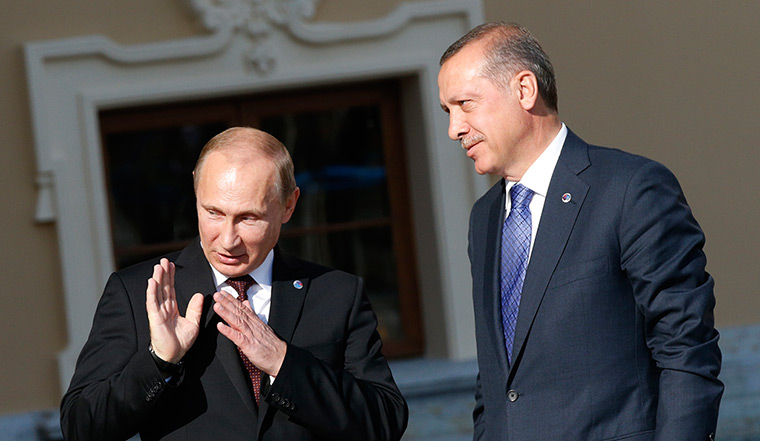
(343,218)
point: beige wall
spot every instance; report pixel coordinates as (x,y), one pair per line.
(32,330)
(674,81)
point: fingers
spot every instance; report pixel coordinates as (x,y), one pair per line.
(160,298)
(240,318)
(167,279)
(236,313)
(151,295)
(157,280)
(195,309)
(235,336)
(171,334)
(244,328)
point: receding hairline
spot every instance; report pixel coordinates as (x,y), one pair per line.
(247,143)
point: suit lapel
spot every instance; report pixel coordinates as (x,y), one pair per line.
(556,224)
(288,294)
(289,288)
(194,275)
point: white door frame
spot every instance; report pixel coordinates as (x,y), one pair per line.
(71,80)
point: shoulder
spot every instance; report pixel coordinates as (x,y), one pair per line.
(609,164)
(628,169)
(145,268)
(133,278)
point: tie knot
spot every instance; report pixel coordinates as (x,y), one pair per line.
(241,285)
(520,196)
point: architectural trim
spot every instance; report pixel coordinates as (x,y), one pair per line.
(253,16)
(71,80)
(392,23)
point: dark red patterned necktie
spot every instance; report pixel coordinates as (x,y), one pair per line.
(241,285)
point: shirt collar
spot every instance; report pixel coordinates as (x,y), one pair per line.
(262,275)
(539,174)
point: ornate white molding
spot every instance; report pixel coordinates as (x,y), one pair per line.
(256,19)
(394,22)
(142,53)
(71,80)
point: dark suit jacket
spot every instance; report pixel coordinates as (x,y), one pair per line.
(334,383)
(615,336)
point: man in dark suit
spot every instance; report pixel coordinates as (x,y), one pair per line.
(593,310)
(268,348)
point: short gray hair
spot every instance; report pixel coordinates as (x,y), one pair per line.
(511,48)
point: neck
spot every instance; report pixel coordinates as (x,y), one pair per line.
(541,132)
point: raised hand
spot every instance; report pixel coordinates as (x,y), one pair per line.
(244,328)
(171,335)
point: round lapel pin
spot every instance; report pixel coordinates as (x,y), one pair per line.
(566,197)
(298,284)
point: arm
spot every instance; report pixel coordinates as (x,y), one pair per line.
(107,395)
(359,401)
(661,251)
(116,384)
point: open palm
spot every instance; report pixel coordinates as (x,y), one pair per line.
(171,334)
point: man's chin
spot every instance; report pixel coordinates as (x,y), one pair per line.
(480,170)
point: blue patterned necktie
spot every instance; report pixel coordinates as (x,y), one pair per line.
(515,246)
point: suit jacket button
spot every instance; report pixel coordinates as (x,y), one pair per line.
(276,397)
(711,437)
(512,395)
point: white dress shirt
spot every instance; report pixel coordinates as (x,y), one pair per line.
(259,294)
(537,179)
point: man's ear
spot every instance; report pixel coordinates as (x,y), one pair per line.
(290,205)
(526,86)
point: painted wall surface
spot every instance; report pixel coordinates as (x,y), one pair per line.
(675,81)
(32,330)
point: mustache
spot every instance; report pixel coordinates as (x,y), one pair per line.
(467,142)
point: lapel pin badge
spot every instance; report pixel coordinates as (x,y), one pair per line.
(298,284)
(566,197)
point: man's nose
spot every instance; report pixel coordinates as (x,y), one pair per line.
(457,126)
(229,235)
